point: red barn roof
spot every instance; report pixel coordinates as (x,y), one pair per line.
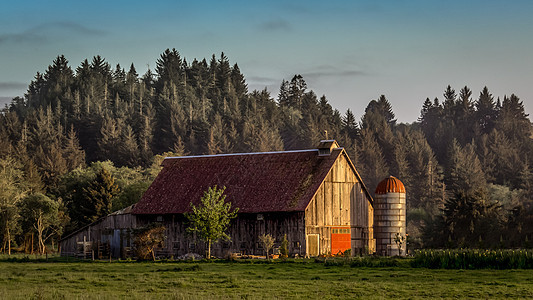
(256,182)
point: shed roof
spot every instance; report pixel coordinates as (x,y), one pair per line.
(255,182)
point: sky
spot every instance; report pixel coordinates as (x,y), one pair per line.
(350,51)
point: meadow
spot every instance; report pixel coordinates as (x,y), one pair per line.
(300,279)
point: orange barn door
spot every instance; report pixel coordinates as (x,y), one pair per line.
(340,240)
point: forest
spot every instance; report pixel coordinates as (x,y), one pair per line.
(88,141)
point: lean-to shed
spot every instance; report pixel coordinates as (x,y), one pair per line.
(315,197)
(107,236)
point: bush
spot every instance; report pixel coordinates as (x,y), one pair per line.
(147,239)
(284,249)
(474,259)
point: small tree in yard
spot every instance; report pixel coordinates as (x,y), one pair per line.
(211,218)
(268,242)
(399,239)
(147,239)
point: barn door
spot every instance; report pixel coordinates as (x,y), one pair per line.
(340,240)
(313,245)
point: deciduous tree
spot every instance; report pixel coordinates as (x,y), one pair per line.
(211,218)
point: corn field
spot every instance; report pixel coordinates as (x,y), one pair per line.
(474,259)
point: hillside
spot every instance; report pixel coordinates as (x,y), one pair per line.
(465,162)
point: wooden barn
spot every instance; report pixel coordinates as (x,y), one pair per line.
(107,236)
(315,197)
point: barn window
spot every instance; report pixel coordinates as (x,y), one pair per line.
(159,219)
(259,245)
(192,246)
(225,245)
(260,217)
(176,245)
(296,244)
(243,245)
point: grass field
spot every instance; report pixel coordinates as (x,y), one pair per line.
(251,280)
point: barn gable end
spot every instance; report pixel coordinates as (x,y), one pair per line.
(340,214)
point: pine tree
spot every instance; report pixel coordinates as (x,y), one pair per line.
(371,160)
(296,90)
(99,196)
(513,121)
(128,150)
(485,111)
(283,96)
(72,152)
(464,172)
(349,125)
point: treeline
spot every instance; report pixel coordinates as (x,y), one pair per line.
(89,141)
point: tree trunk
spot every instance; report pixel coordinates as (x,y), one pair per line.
(208,249)
(40,233)
(8,240)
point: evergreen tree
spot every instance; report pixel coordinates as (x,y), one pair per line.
(485,111)
(99,196)
(296,91)
(72,151)
(371,161)
(464,173)
(349,125)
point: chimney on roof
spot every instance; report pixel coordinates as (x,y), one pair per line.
(326,146)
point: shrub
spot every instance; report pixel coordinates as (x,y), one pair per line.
(474,259)
(147,239)
(284,249)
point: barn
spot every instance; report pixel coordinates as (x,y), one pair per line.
(315,197)
(109,236)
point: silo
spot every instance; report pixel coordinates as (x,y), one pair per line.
(389,217)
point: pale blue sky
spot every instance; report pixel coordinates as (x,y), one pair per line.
(351,51)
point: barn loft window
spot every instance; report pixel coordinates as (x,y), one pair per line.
(260,217)
(159,219)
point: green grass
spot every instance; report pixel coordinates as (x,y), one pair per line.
(250,280)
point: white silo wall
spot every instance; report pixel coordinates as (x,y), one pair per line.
(389,219)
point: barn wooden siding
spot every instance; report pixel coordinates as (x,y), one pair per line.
(108,235)
(340,202)
(244,231)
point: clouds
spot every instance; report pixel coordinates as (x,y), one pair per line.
(331,71)
(4,101)
(11,88)
(42,33)
(12,85)
(275,26)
